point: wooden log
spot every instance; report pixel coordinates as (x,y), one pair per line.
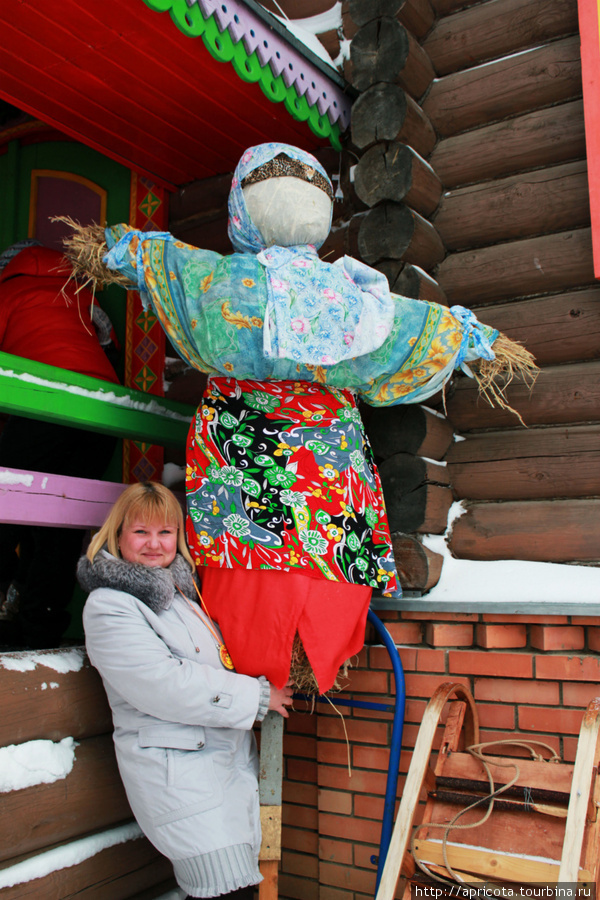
(118,872)
(363,11)
(556,329)
(562,395)
(393,171)
(555,199)
(407,429)
(342,240)
(544,137)
(418,16)
(543,531)
(394,231)
(418,567)
(479,33)
(90,798)
(298,9)
(447,7)
(417,497)
(206,233)
(51,700)
(385,112)
(527,464)
(203,198)
(411,281)
(506,87)
(538,265)
(384,50)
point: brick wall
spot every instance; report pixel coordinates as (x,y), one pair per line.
(530,675)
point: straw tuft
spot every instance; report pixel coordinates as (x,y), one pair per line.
(302,675)
(493,376)
(85,249)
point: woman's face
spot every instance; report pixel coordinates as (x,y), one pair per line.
(149,543)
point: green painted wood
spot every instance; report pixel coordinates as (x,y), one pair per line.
(38,391)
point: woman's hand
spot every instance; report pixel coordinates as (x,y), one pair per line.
(280,698)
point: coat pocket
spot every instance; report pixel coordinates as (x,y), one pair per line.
(192,784)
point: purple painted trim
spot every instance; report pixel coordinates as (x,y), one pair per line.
(244,24)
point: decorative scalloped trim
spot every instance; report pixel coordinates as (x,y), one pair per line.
(232,33)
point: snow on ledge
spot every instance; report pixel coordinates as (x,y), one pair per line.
(60,660)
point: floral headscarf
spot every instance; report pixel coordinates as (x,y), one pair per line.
(317,313)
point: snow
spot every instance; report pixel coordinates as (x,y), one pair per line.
(60,660)
(69,855)
(302,33)
(504,581)
(7,477)
(35,762)
(106,396)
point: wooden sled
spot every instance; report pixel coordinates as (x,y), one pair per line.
(542,827)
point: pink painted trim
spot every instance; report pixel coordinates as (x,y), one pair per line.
(243,24)
(590,65)
(44,499)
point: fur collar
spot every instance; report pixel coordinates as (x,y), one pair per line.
(153,586)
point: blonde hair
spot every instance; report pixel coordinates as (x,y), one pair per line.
(150,502)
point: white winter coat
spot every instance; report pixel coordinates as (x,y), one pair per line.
(182,722)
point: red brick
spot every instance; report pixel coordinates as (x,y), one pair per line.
(500,637)
(440,617)
(579,694)
(505,690)
(358,731)
(367,807)
(414,710)
(365,680)
(300,792)
(569,748)
(584,620)
(552,719)
(443,634)
(473,662)
(425,659)
(294,888)
(361,780)
(509,617)
(358,880)
(339,802)
(563,637)
(593,636)
(300,816)
(362,856)
(336,851)
(300,840)
(300,864)
(299,745)
(372,758)
(406,632)
(350,828)
(299,721)
(301,770)
(425,685)
(496,715)
(568,668)
(324,892)
(335,754)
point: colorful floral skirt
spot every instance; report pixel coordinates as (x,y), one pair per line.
(282,489)
(281,476)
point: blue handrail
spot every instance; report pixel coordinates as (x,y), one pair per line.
(398,709)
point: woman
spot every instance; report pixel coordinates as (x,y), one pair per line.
(182,717)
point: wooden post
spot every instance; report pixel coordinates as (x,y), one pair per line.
(269,788)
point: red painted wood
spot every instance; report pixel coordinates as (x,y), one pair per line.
(590,74)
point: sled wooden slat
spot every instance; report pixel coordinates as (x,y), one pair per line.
(514,841)
(38,391)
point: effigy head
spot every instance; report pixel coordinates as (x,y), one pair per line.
(279,195)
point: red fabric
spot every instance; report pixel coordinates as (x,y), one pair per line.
(260,611)
(44,320)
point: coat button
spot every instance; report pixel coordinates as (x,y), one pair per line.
(200,745)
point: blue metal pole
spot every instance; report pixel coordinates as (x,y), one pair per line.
(391,790)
